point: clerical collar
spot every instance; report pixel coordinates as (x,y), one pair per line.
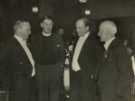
(46,35)
(107,43)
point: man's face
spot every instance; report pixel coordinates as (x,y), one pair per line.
(24,30)
(106,32)
(47,26)
(81,28)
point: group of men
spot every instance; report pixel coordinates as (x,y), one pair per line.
(101,70)
(32,69)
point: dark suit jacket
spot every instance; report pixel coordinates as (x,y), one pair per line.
(83,83)
(89,55)
(115,73)
(16,69)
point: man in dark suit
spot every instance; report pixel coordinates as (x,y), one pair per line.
(17,64)
(85,57)
(48,51)
(115,71)
(130,49)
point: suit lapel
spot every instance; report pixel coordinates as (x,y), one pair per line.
(113,44)
(20,49)
(85,45)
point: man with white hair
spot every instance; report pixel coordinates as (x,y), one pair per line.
(115,72)
(17,64)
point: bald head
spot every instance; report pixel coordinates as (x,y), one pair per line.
(107,30)
(109,25)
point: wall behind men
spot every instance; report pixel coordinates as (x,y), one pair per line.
(10,11)
(65,12)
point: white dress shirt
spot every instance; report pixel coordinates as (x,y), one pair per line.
(28,53)
(133,64)
(107,43)
(66,78)
(75,65)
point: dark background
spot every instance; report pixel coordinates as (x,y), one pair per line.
(65,12)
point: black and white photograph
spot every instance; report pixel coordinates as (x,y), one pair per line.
(67,50)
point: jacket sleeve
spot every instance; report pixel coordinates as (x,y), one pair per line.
(5,54)
(124,69)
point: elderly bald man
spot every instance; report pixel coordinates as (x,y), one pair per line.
(115,72)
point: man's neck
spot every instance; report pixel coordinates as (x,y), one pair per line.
(108,42)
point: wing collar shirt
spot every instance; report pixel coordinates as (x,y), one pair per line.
(28,53)
(75,65)
(133,64)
